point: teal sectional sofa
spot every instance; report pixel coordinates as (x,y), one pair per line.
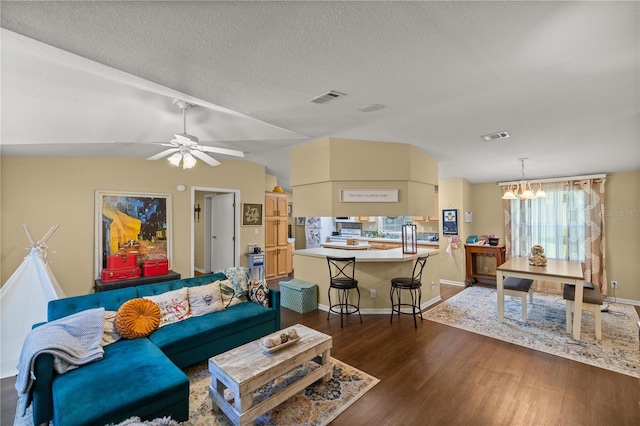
(143,377)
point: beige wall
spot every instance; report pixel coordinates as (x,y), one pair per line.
(622,228)
(41,192)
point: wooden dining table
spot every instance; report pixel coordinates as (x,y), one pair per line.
(560,271)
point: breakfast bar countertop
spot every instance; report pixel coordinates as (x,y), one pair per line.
(391,255)
(342,245)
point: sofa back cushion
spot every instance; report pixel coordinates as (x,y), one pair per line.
(109,300)
(165,286)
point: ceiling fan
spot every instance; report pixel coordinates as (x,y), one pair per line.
(185,147)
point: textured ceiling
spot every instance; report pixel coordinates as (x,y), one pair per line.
(561,77)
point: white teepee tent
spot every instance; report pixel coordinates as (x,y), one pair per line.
(24,299)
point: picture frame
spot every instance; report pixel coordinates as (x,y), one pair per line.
(132,223)
(450,221)
(251,214)
(300,221)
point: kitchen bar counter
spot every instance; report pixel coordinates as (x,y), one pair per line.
(391,255)
(344,246)
(374,271)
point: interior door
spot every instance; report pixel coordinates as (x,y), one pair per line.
(222,225)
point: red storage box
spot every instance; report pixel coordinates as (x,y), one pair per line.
(109,275)
(155,267)
(120,261)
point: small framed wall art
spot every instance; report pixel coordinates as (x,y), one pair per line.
(251,214)
(450,222)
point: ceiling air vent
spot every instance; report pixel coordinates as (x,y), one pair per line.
(494,136)
(326,97)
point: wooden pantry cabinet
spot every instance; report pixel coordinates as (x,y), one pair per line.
(277,250)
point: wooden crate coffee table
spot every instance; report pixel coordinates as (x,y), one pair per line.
(244,369)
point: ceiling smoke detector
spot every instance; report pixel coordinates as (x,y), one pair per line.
(326,97)
(494,136)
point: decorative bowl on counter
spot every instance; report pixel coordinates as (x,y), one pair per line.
(352,241)
(493,241)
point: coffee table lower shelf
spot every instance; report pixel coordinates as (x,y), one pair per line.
(244,369)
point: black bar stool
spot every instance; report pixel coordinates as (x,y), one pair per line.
(342,278)
(414,285)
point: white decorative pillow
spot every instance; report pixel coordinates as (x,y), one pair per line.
(229,297)
(109,333)
(174,305)
(205,299)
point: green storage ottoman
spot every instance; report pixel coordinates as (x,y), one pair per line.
(299,296)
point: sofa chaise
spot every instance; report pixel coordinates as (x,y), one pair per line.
(143,377)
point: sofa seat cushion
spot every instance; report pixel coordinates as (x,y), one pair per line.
(195,331)
(134,378)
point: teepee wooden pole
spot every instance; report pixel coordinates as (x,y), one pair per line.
(49,234)
(26,230)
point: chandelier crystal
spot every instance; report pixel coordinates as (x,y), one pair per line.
(523,190)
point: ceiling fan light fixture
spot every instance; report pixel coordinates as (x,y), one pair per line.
(188,161)
(175,159)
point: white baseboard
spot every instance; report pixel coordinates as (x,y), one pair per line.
(625,301)
(458,283)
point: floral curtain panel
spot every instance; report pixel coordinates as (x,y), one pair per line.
(568,224)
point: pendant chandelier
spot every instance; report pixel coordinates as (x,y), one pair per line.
(523,189)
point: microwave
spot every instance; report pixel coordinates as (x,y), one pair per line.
(344,219)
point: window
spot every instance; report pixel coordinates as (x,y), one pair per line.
(392,223)
(557,223)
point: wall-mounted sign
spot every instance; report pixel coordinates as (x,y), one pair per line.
(450,222)
(369,195)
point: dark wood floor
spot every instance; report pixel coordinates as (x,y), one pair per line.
(439,375)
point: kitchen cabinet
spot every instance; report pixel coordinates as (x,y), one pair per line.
(275,204)
(289,259)
(366,218)
(276,232)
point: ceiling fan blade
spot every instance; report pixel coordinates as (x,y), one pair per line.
(185,138)
(163,153)
(204,157)
(232,152)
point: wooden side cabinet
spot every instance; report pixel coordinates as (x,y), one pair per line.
(471,251)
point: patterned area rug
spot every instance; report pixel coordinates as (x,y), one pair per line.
(318,404)
(475,309)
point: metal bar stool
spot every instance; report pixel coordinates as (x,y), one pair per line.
(342,279)
(414,285)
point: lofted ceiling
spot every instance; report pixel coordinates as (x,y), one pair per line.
(85,78)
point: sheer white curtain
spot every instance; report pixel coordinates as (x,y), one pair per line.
(557,223)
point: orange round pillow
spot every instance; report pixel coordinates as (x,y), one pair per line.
(137,318)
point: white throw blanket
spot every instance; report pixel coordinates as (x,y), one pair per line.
(73,340)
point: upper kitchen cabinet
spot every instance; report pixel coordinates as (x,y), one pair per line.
(275,204)
(366,218)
